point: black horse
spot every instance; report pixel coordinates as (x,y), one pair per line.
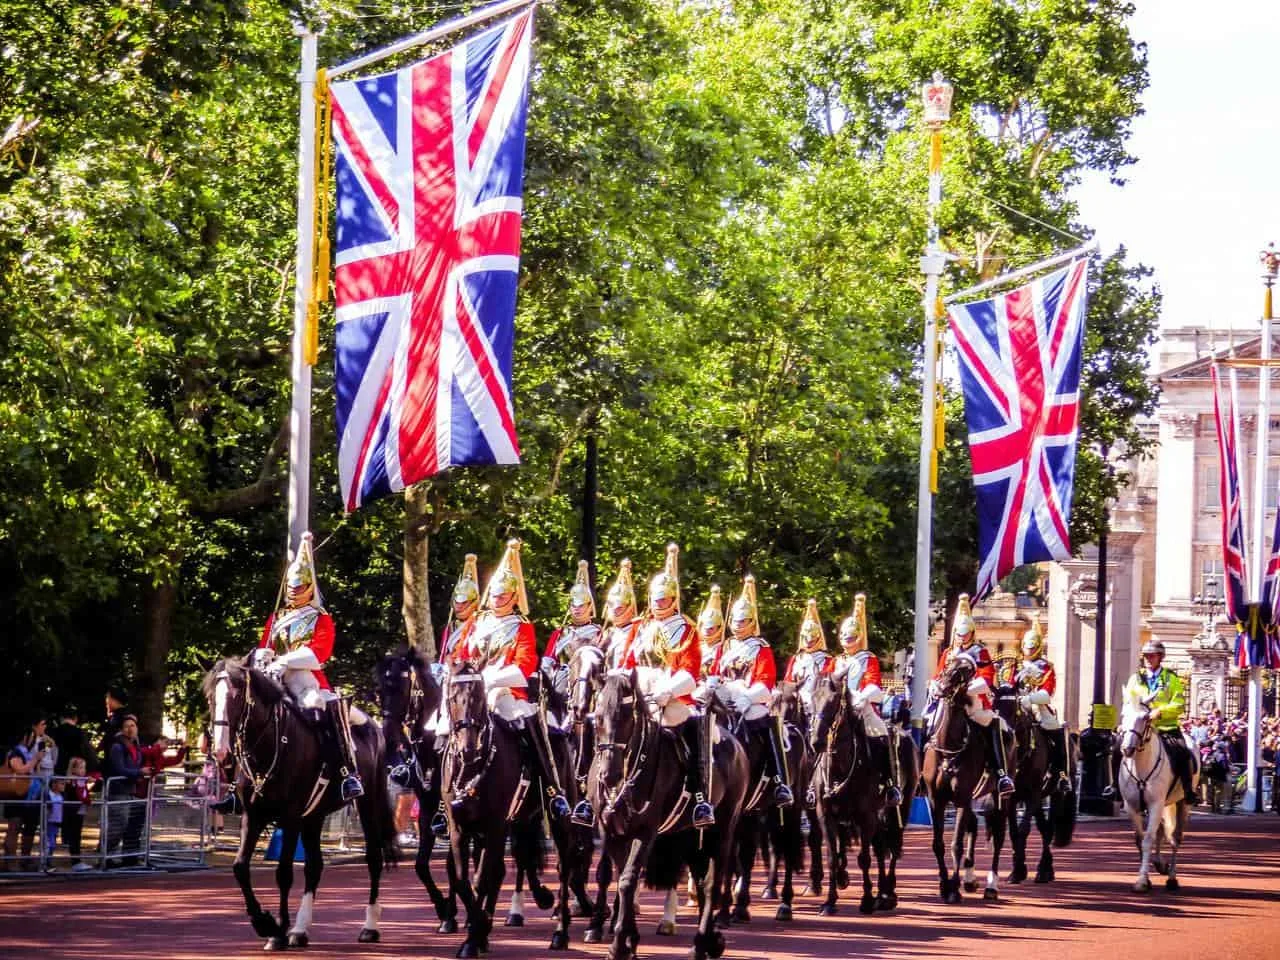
(637,789)
(849,798)
(765,825)
(410,695)
(486,791)
(955,767)
(287,774)
(779,845)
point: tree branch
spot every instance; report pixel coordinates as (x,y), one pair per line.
(257,494)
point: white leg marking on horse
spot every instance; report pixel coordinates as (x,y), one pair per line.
(669,906)
(372,914)
(970,875)
(302,922)
(517,904)
(993,880)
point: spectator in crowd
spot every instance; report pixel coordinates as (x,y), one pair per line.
(158,755)
(124,813)
(22,813)
(72,742)
(75,806)
(53,817)
(117,708)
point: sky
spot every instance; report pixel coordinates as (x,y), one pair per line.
(1203,200)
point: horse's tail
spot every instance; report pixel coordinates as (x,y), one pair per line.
(1062,817)
(381,809)
(667,857)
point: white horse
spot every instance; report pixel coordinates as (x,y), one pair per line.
(1152,794)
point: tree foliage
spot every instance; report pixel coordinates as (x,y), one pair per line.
(724,211)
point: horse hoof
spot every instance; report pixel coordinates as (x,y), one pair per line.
(769,893)
(1142,886)
(952,897)
(827,910)
(740,915)
(298,940)
(1162,866)
(887,901)
(560,940)
(544,898)
(991,893)
(265,926)
(368,936)
(842,878)
(715,947)
(666,929)
(276,943)
(591,936)
(448,926)
(1045,876)
(1018,874)
(515,920)
(468,949)
(784,913)
(867,905)
(1172,885)
(971,886)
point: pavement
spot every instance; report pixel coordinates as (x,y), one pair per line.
(1226,910)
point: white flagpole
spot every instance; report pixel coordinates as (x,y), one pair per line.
(300,413)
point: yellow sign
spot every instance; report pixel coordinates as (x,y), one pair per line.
(1104,716)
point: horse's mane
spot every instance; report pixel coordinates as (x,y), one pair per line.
(264,689)
(617,685)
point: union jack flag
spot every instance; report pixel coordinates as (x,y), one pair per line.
(430,171)
(1020,370)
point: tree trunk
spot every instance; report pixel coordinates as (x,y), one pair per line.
(159,602)
(590,491)
(417,600)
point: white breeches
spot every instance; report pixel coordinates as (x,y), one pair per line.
(872,722)
(508,706)
(655,684)
(749,702)
(1045,716)
(308,694)
(978,713)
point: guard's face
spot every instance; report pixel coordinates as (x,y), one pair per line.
(580,613)
(1153,661)
(663,606)
(503,603)
(711,633)
(622,611)
(743,628)
(464,609)
(301,594)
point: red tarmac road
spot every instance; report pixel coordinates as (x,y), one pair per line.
(1227,909)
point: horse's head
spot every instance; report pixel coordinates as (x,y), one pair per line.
(586,678)
(786,704)
(828,701)
(620,716)
(407,693)
(955,679)
(1135,727)
(468,708)
(226,691)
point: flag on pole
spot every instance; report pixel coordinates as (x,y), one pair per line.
(430,173)
(1235,589)
(1020,369)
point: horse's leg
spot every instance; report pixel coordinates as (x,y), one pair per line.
(670,905)
(709,940)
(1019,829)
(814,841)
(997,826)
(515,913)
(492,869)
(957,845)
(583,842)
(300,932)
(770,843)
(446,907)
(284,883)
(459,867)
(936,813)
(1176,818)
(377,824)
(789,849)
(566,867)
(831,843)
(251,827)
(1044,869)
(748,837)
(626,934)
(865,830)
(1143,883)
(971,835)
(604,877)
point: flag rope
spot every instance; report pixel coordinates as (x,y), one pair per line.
(319,285)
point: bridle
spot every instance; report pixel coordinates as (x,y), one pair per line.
(635,751)
(1143,738)
(581,700)
(242,752)
(827,757)
(947,700)
(477,758)
(412,728)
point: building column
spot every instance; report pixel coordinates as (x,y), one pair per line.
(1175,513)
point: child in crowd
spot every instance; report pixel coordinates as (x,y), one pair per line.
(53,819)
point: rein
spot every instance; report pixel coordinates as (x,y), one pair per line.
(1142,782)
(827,760)
(634,753)
(242,752)
(483,754)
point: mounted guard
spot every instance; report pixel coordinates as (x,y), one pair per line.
(504,648)
(1159,690)
(711,633)
(811,657)
(668,655)
(1036,682)
(620,622)
(579,626)
(462,614)
(860,669)
(296,642)
(964,643)
(749,674)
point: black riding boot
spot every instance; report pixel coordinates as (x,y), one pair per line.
(1180,757)
(336,711)
(228,804)
(535,740)
(1058,759)
(782,795)
(882,754)
(999,767)
(704,816)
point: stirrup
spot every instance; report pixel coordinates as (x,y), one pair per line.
(782,795)
(558,806)
(892,795)
(704,815)
(1004,785)
(352,788)
(401,775)
(440,824)
(1064,784)
(1108,792)
(583,815)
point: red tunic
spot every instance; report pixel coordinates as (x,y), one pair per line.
(619,641)
(320,642)
(684,651)
(587,632)
(711,668)
(870,673)
(522,650)
(986,669)
(795,661)
(1048,680)
(452,654)
(763,669)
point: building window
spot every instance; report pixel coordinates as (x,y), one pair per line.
(1211,582)
(1209,501)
